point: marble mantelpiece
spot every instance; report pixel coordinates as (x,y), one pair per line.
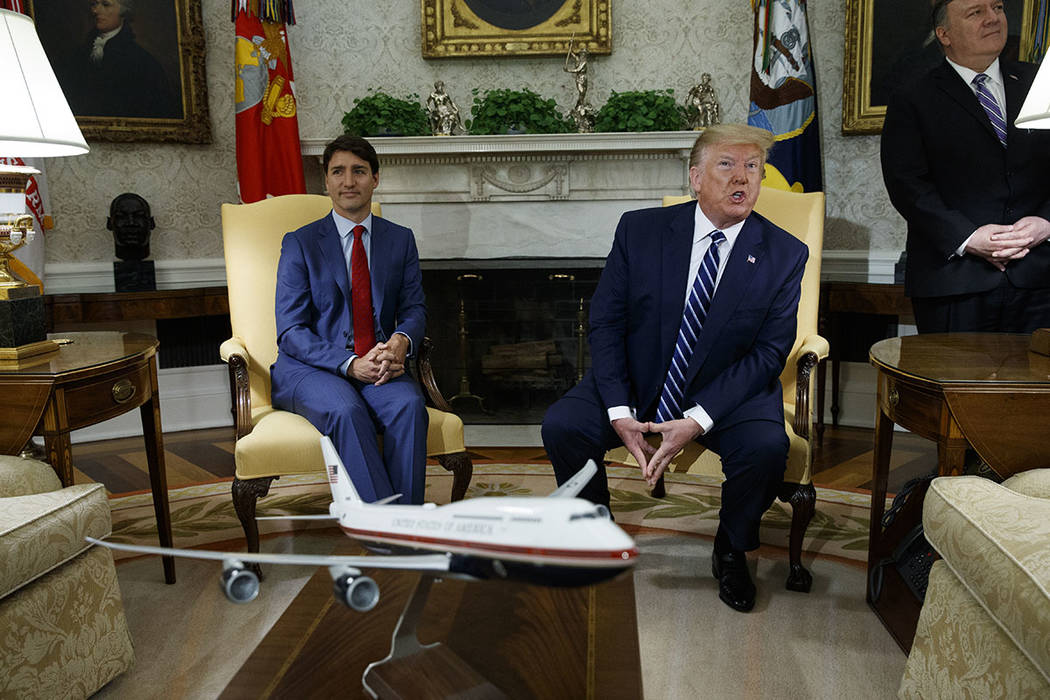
(531,195)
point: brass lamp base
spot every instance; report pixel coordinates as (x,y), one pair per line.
(23,325)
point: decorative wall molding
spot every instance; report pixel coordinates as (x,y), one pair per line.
(67,278)
(70,278)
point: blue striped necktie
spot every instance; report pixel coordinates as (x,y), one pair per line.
(991,107)
(693,319)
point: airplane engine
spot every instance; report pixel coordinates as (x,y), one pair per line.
(356,592)
(238,583)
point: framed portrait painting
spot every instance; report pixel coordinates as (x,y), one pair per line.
(889,41)
(131,70)
(468,28)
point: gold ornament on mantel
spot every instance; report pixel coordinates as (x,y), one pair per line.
(582,114)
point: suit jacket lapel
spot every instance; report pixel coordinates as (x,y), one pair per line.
(678,245)
(1015,92)
(956,88)
(379,263)
(743,263)
(331,247)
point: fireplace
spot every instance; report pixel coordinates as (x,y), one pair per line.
(509,335)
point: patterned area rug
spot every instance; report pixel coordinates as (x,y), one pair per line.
(203,514)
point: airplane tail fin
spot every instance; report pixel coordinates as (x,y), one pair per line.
(343,491)
(572,487)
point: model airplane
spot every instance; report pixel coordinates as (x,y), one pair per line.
(559,540)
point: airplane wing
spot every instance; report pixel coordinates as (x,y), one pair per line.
(422,562)
(572,487)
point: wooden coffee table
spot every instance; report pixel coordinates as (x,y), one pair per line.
(527,641)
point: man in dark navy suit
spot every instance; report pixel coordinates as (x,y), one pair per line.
(974,189)
(691,324)
(349,310)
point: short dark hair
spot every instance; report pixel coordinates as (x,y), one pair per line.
(352,144)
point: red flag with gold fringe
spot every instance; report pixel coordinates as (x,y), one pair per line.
(269,161)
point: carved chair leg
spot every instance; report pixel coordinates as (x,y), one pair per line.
(803,498)
(245,495)
(462,470)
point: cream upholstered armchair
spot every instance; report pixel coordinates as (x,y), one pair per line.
(984,629)
(802,215)
(271,443)
(63,633)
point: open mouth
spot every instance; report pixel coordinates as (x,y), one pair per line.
(737,197)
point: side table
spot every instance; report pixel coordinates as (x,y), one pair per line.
(92,377)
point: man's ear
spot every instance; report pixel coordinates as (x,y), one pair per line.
(152,224)
(942,36)
(109,223)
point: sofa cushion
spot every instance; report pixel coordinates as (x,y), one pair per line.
(995,541)
(1034,482)
(40,531)
(21,477)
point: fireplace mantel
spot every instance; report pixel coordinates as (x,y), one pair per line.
(677,143)
(531,195)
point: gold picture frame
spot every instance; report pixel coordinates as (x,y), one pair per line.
(874,58)
(162,95)
(471,28)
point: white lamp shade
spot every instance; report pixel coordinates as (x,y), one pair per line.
(35,119)
(1035,113)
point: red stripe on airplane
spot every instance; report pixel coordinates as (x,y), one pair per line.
(509,549)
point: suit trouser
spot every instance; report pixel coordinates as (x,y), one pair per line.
(754,457)
(1003,309)
(352,413)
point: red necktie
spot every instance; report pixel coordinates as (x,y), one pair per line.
(361,296)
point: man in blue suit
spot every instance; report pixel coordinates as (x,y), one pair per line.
(688,343)
(349,311)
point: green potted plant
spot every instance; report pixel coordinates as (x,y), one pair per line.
(514,112)
(640,110)
(379,114)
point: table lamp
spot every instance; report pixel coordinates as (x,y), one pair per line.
(35,122)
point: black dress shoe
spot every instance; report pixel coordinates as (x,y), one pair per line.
(735,588)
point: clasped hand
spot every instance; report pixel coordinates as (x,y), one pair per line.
(674,435)
(382,363)
(999,244)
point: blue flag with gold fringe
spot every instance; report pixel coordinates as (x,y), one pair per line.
(783,94)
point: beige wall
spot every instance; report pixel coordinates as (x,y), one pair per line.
(340,48)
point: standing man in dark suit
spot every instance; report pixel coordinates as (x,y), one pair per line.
(349,311)
(974,189)
(691,323)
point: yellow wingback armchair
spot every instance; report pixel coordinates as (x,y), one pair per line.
(801,215)
(271,443)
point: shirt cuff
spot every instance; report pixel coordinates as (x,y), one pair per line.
(618,412)
(698,414)
(961,250)
(409,339)
(344,368)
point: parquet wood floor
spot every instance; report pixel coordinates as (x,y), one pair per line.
(199,456)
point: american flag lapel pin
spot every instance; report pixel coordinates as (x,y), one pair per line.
(751,259)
